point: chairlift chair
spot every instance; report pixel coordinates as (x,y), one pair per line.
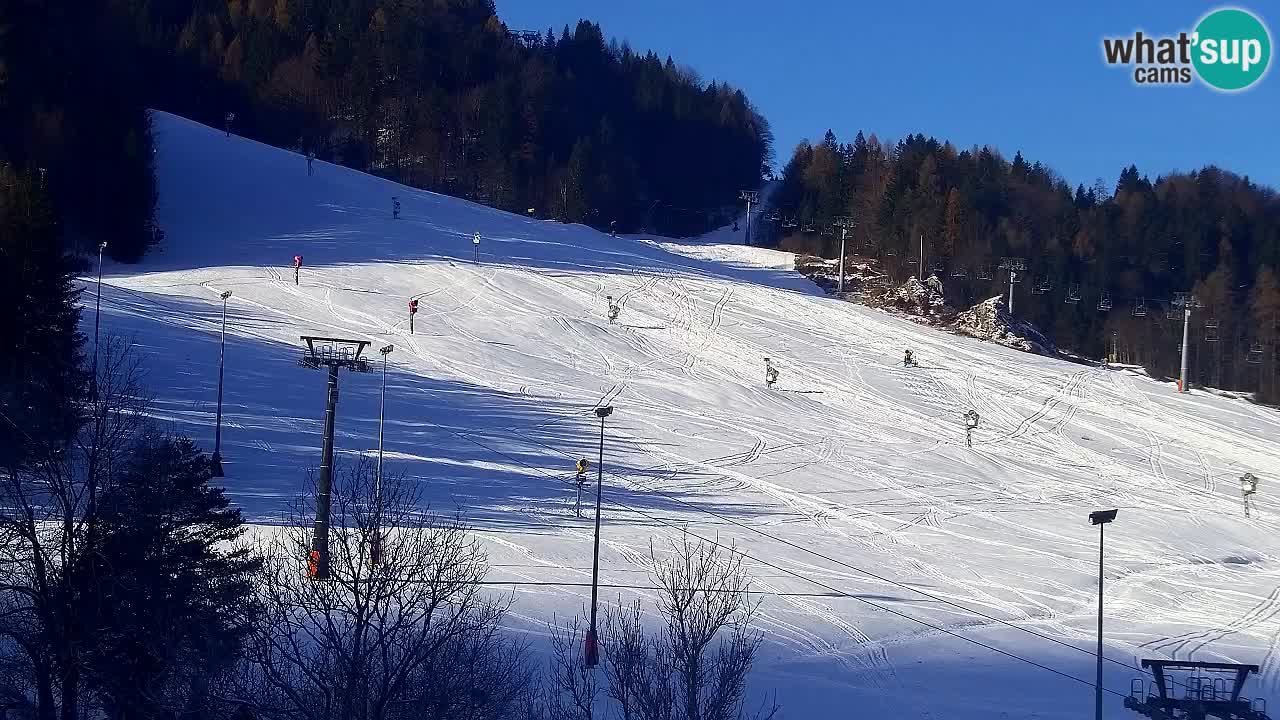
(1254,356)
(1073,294)
(1211,327)
(1171,312)
(959,272)
(984,272)
(1104,302)
(1140,307)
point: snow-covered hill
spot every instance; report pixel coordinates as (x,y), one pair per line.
(902,574)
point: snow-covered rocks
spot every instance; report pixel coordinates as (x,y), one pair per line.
(925,299)
(990,320)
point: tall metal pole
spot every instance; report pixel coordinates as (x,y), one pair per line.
(320,534)
(382,406)
(1098,686)
(97,320)
(222,355)
(375,543)
(922,257)
(1186,336)
(843,233)
(382,414)
(592,644)
(747,233)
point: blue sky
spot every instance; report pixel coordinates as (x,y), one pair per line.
(1021,75)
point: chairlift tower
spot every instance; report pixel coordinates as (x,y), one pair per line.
(1014,265)
(1187,302)
(332,354)
(750,196)
(844,222)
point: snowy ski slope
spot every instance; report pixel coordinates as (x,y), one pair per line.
(898,570)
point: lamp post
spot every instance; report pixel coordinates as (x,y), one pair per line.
(1100,518)
(592,650)
(375,543)
(222,356)
(97,319)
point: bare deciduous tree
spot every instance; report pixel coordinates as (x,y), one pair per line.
(695,668)
(704,595)
(49,525)
(378,642)
(574,686)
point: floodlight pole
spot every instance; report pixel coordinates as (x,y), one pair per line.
(382,405)
(375,545)
(97,320)
(222,355)
(1100,518)
(592,650)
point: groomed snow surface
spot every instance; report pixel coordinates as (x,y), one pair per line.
(882,549)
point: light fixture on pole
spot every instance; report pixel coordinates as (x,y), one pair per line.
(591,654)
(97,320)
(222,356)
(1100,518)
(375,538)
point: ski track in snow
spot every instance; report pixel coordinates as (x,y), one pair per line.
(852,463)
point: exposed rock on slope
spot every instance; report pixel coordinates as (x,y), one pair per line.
(990,320)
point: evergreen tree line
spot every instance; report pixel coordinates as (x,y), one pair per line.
(443,96)
(1103,265)
(73,117)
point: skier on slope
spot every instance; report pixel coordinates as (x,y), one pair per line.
(908,360)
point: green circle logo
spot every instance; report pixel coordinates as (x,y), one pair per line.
(1232,49)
